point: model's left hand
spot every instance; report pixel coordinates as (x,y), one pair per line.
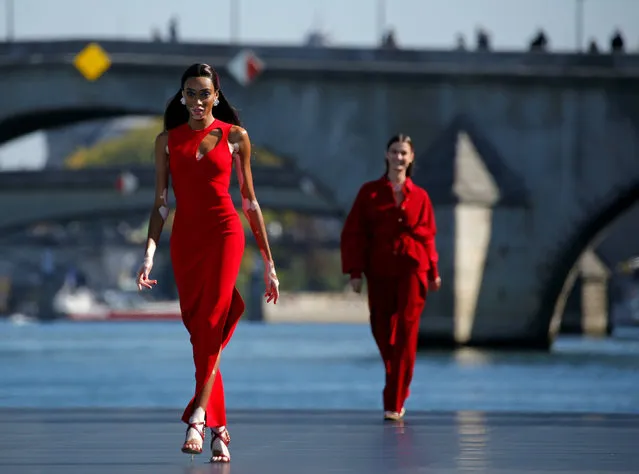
(272,283)
(435,285)
(143,279)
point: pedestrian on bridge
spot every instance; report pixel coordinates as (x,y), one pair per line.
(389,237)
(201,143)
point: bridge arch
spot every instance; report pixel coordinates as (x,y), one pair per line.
(561,274)
(21,124)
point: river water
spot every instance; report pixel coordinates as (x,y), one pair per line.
(302,366)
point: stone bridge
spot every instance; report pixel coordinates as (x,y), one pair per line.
(528,156)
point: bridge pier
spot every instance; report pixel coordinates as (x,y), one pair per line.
(482,219)
(587,309)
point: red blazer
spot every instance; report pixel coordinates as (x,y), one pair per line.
(380,238)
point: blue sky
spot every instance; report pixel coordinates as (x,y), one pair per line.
(418,24)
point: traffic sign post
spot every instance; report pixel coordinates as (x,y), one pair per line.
(127,183)
(245,67)
(92,61)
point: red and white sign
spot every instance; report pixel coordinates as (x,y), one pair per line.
(245,67)
(127,183)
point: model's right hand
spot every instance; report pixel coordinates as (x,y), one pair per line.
(356,285)
(143,274)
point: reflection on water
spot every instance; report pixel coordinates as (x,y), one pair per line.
(304,366)
(473,441)
(218,468)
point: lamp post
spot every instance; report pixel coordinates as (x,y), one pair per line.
(579,24)
(381,19)
(9,10)
(235,20)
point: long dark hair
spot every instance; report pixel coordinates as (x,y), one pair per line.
(176,113)
(401,138)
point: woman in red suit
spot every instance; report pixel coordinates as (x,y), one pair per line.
(202,141)
(389,236)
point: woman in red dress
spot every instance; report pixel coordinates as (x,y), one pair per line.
(202,141)
(389,236)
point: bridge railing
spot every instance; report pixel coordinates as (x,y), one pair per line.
(105,178)
(299,58)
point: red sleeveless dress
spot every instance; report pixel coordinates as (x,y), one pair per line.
(207,243)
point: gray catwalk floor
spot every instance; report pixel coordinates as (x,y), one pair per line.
(309,442)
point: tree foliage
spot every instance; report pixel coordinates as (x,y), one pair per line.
(132,147)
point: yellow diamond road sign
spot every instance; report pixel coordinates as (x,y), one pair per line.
(92,61)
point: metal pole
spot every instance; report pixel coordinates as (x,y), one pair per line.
(9,7)
(235,20)
(381,19)
(579,24)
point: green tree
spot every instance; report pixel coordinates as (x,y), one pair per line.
(133,147)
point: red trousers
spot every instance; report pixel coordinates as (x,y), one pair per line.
(396,306)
